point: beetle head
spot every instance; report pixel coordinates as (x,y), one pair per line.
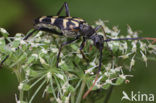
(98,41)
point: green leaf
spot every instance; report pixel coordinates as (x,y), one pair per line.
(119,81)
(106,86)
(25,87)
(2,45)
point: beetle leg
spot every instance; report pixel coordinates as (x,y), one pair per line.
(83,43)
(105,38)
(81,47)
(66,9)
(97,75)
(62,45)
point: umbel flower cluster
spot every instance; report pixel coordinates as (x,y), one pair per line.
(34,63)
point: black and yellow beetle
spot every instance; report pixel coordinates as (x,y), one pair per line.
(75,28)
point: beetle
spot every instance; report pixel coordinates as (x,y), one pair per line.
(74,27)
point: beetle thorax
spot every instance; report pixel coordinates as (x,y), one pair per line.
(86,30)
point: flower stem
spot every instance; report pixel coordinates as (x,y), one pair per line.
(21,95)
(78,100)
(37,91)
(73,97)
(108,94)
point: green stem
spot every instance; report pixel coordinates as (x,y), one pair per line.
(18,61)
(58,86)
(37,81)
(73,97)
(73,93)
(78,100)
(21,95)
(52,88)
(37,91)
(108,94)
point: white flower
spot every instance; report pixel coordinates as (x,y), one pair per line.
(49,75)
(17,101)
(67,98)
(128,36)
(38,39)
(98,80)
(59,100)
(3,31)
(62,62)
(28,72)
(116,31)
(134,46)
(54,50)
(35,55)
(108,81)
(100,22)
(18,34)
(135,35)
(113,44)
(46,41)
(108,67)
(144,57)
(125,46)
(60,76)
(132,63)
(52,99)
(113,71)
(64,87)
(61,54)
(98,86)
(129,29)
(79,55)
(125,56)
(142,46)
(18,39)
(107,74)
(39,34)
(35,44)
(93,63)
(115,28)
(42,61)
(20,87)
(152,46)
(90,70)
(122,76)
(13,49)
(44,51)
(117,69)
(100,33)
(22,42)
(125,76)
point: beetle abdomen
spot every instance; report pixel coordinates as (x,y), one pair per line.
(62,22)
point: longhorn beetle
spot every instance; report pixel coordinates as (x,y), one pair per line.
(74,27)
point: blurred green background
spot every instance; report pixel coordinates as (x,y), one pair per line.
(17,16)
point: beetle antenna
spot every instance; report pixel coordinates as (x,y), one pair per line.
(97,74)
(138,38)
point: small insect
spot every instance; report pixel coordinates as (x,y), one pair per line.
(74,27)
